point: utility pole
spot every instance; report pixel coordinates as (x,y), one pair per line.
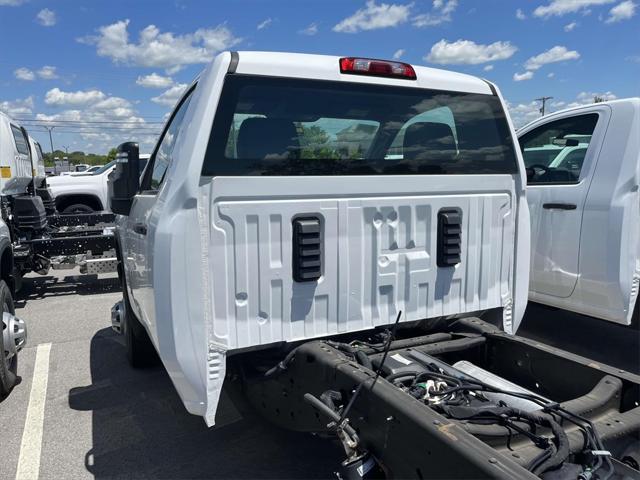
(544,103)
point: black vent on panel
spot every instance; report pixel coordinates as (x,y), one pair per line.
(449,237)
(307,249)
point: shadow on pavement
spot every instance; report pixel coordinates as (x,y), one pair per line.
(34,288)
(141,429)
(599,340)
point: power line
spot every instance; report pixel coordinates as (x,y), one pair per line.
(146,132)
(39,120)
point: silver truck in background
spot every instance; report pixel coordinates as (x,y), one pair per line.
(584,197)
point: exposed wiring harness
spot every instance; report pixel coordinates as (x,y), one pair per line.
(453,400)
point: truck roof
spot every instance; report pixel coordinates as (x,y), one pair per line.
(614,104)
(327,67)
(6,116)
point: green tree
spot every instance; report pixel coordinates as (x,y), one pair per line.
(314,143)
(112,154)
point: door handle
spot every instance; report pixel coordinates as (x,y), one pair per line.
(559,206)
(140,228)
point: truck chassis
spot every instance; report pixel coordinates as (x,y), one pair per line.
(409,439)
(77,240)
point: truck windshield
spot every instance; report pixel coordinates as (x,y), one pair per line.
(285,126)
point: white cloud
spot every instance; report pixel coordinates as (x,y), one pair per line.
(311,30)
(520,14)
(11,3)
(588,97)
(18,107)
(441,13)
(633,58)
(170,96)
(25,74)
(553,55)
(265,23)
(569,27)
(156,49)
(398,53)
(47,73)
(488,68)
(46,17)
(470,53)
(519,77)
(562,7)
(623,11)
(154,80)
(551,75)
(523,113)
(58,98)
(374,16)
(123,122)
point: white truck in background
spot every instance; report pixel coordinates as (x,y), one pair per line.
(584,198)
(84,192)
(315,227)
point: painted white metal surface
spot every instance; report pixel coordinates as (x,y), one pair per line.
(38,161)
(212,273)
(15,167)
(93,185)
(379,255)
(588,260)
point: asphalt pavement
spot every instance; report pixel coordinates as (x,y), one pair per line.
(102,419)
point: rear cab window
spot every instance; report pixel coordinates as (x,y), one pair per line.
(285,126)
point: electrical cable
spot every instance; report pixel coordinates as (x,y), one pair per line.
(378,372)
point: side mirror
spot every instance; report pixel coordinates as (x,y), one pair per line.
(124,180)
(565,142)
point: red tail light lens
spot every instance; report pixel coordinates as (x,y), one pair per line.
(377,68)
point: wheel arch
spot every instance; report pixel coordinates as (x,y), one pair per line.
(67,199)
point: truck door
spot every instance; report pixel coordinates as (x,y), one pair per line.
(560,156)
(143,219)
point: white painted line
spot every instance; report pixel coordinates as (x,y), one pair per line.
(31,446)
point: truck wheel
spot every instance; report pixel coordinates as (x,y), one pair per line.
(8,366)
(77,208)
(140,351)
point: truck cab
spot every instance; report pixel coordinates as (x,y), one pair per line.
(293,197)
(584,199)
(348,239)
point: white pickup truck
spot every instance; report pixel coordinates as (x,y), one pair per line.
(316,226)
(584,197)
(84,192)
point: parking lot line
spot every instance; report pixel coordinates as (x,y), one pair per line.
(31,446)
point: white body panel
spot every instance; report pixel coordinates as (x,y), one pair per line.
(587,260)
(38,161)
(94,185)
(212,271)
(16,180)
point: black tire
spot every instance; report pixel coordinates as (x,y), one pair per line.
(140,351)
(77,208)
(8,372)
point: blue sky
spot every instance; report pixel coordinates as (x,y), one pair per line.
(105,72)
